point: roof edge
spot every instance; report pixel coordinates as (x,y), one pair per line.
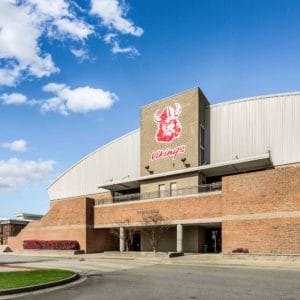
(254,98)
(173,95)
(90,154)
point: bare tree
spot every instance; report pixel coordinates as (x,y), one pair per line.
(154,228)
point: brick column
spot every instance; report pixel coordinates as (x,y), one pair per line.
(179,238)
(122,236)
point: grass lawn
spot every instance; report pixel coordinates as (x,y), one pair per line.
(9,280)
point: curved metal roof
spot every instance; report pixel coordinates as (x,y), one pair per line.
(239,128)
(116,160)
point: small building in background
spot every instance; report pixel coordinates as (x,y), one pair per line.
(28,217)
(12,226)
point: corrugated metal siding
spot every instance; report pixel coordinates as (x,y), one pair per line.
(243,128)
(252,127)
(115,161)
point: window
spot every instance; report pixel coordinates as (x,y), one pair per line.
(161,189)
(202,153)
(202,137)
(202,145)
(173,189)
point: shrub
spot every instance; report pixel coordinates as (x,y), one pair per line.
(51,244)
(240,250)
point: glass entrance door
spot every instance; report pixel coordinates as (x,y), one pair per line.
(213,240)
(135,244)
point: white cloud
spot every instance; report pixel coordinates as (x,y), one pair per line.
(56,105)
(59,19)
(65,100)
(19,48)
(24,22)
(112,39)
(57,9)
(113,15)
(108,38)
(78,100)
(15,172)
(17,145)
(14,98)
(76,29)
(130,50)
(82,54)
(8,75)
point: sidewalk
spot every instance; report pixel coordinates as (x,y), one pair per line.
(254,261)
(289,262)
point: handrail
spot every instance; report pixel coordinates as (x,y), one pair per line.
(203,188)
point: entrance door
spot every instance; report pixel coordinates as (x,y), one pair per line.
(136,242)
(213,241)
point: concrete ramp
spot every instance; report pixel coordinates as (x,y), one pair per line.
(4,248)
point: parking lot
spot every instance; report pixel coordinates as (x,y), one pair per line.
(146,278)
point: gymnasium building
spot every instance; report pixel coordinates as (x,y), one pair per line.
(220,176)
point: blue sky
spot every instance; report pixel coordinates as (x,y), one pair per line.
(115,56)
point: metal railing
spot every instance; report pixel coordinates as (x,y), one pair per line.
(204,188)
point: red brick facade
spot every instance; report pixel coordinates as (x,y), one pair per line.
(259,211)
(196,207)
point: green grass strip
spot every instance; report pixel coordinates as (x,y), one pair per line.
(16,279)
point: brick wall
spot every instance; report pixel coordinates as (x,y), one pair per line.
(261,211)
(200,206)
(66,220)
(279,235)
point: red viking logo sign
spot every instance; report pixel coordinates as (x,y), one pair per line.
(168,125)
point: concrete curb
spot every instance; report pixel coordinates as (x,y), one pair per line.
(45,252)
(175,254)
(33,288)
(265,257)
(141,254)
(230,263)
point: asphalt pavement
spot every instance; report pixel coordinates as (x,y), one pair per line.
(183,282)
(190,277)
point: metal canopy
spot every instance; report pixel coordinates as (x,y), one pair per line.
(218,169)
(237,166)
(121,186)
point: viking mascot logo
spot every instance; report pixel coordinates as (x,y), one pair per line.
(168,125)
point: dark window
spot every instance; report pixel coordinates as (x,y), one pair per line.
(202,145)
(202,136)
(202,153)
